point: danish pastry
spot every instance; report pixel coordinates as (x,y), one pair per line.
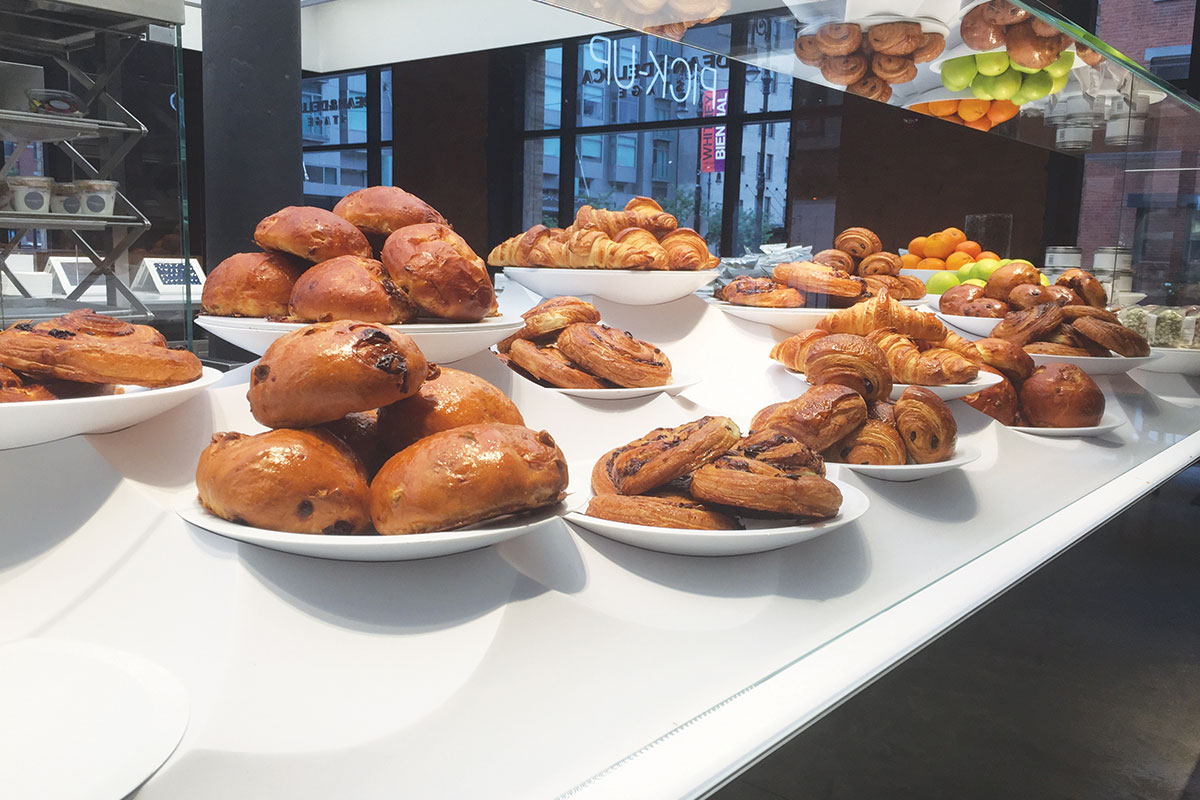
(439,272)
(664,510)
(926,425)
(1114,336)
(814,279)
(1075,311)
(793,351)
(467,475)
(549,317)
(1085,285)
(998,401)
(858,242)
(931,46)
(1006,358)
(752,485)
(1061,396)
(874,442)
(850,361)
(820,416)
(551,365)
(325,371)
(808,51)
(839,38)
(895,38)
(1023,327)
(663,455)
(15,390)
(311,233)
(451,400)
(350,287)
(285,480)
(1055,349)
(837,260)
(615,355)
(881,263)
(884,312)
(763,292)
(251,285)
(779,449)
(844,70)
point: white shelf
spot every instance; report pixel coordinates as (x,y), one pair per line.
(27,126)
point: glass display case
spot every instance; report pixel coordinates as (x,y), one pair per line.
(92,212)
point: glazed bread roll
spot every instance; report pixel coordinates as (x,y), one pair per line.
(284,480)
(1085,286)
(1061,396)
(954,300)
(350,287)
(467,475)
(986,307)
(381,210)
(820,416)
(439,272)
(926,425)
(360,432)
(663,455)
(312,233)
(1027,296)
(1001,282)
(251,285)
(325,371)
(451,400)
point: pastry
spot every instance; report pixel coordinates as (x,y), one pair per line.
(382,210)
(779,449)
(814,279)
(549,317)
(1005,357)
(322,372)
(839,38)
(895,38)
(986,307)
(251,285)
(1087,55)
(1085,285)
(439,272)
(874,442)
(642,240)
(793,351)
(844,70)
(980,34)
(1028,295)
(998,401)
(1076,311)
(467,475)
(1027,49)
(752,485)
(871,87)
(884,312)
(1064,295)
(451,400)
(666,510)
(551,365)
(86,347)
(763,292)
(1114,336)
(687,249)
(858,242)
(284,480)
(640,212)
(1061,396)
(881,263)
(951,341)
(313,234)
(518,251)
(851,361)
(1064,334)
(1055,349)
(1023,327)
(663,455)
(760,416)
(593,248)
(1001,282)
(934,367)
(893,69)
(884,412)
(13,389)
(1043,28)
(1092,347)
(350,287)
(932,45)
(807,50)
(615,355)
(820,416)
(836,259)
(891,284)
(926,425)
(360,432)
(955,299)
(1002,12)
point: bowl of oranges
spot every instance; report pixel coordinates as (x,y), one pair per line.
(946,250)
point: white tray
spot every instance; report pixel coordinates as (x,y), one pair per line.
(902,473)
(791,320)
(1096,365)
(626,286)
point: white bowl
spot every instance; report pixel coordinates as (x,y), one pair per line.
(791,320)
(1175,360)
(902,473)
(626,286)
(1108,423)
(979,326)
(440,342)
(676,386)
(1097,365)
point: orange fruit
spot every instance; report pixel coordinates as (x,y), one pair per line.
(981,124)
(958,259)
(939,245)
(943,108)
(987,254)
(957,235)
(917,247)
(955,118)
(970,248)
(920,108)
(931,263)
(971,110)
(1002,111)
(909,261)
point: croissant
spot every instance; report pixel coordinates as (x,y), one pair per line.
(883,312)
(875,442)
(514,252)
(591,247)
(952,341)
(645,213)
(644,240)
(817,279)
(792,351)
(934,367)
(687,249)
(850,361)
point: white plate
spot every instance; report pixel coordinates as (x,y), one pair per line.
(1108,423)
(375,548)
(914,472)
(1175,360)
(671,389)
(23,424)
(630,287)
(950,391)
(84,721)
(791,320)
(764,535)
(1096,365)
(440,342)
(980,326)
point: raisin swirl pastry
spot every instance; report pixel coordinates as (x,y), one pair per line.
(851,361)
(808,51)
(820,416)
(1115,337)
(839,38)
(845,70)
(1023,327)
(858,242)
(549,317)
(660,510)
(779,449)
(1055,349)
(551,365)
(926,425)
(663,455)
(15,390)
(932,45)
(615,355)
(893,69)
(874,442)
(747,484)
(762,292)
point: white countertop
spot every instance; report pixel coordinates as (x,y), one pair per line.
(554,663)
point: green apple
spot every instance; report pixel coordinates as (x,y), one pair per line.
(1006,84)
(1022,261)
(1061,65)
(985,268)
(991,64)
(941,282)
(981,87)
(965,272)
(1026,70)
(1005,262)
(957,73)
(1020,98)
(1045,280)
(1037,85)
(1060,83)
(976,282)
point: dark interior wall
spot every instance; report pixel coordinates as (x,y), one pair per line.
(439,140)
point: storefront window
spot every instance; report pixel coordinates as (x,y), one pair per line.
(763,191)
(347,132)
(330,175)
(543,89)
(385,112)
(540,191)
(334,109)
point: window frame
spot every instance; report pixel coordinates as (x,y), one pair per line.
(375,143)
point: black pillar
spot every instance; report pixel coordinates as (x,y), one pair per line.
(252,145)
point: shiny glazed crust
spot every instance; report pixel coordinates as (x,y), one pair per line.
(551,365)
(1065,296)
(873,442)
(687,250)
(646,241)
(325,371)
(251,285)
(820,416)
(285,480)
(360,432)
(836,259)
(998,401)
(858,242)
(979,34)
(313,234)
(1006,358)
(752,485)
(760,292)
(663,511)
(781,450)
(615,355)
(1055,349)
(851,361)
(1028,296)
(663,455)
(986,307)
(1073,312)
(811,278)
(1002,12)
(439,272)
(1085,285)
(549,317)
(384,209)
(954,300)
(933,367)
(1001,282)
(926,426)
(350,287)
(1061,396)
(884,312)
(1114,336)
(467,475)
(451,400)
(881,263)
(1023,327)
(15,390)
(844,70)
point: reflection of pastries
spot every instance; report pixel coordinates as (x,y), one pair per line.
(812,278)
(836,259)
(285,480)
(926,425)
(1027,49)
(793,351)
(663,455)
(808,51)
(381,210)
(851,361)
(762,292)
(871,87)
(1006,357)
(874,442)
(467,475)
(748,484)
(1087,55)
(550,317)
(934,367)
(998,401)
(350,287)
(453,399)
(893,69)
(1085,285)
(311,233)
(844,70)
(895,38)
(820,416)
(687,249)
(251,285)
(1023,327)
(978,33)
(1029,295)
(1002,12)
(839,38)
(439,272)
(551,365)
(858,242)
(932,45)
(881,263)
(322,372)
(667,510)
(1061,396)
(955,299)
(884,312)
(1114,336)
(615,355)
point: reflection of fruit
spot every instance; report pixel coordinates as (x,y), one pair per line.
(1001,111)
(917,246)
(941,282)
(909,261)
(991,64)
(971,110)
(981,124)
(1037,85)
(1045,281)
(1060,83)
(920,108)
(956,235)
(1062,65)
(1027,70)
(1006,84)
(957,259)
(943,108)
(970,248)
(957,73)
(939,245)
(981,87)
(987,254)
(931,263)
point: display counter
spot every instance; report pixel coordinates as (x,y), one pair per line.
(558,663)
